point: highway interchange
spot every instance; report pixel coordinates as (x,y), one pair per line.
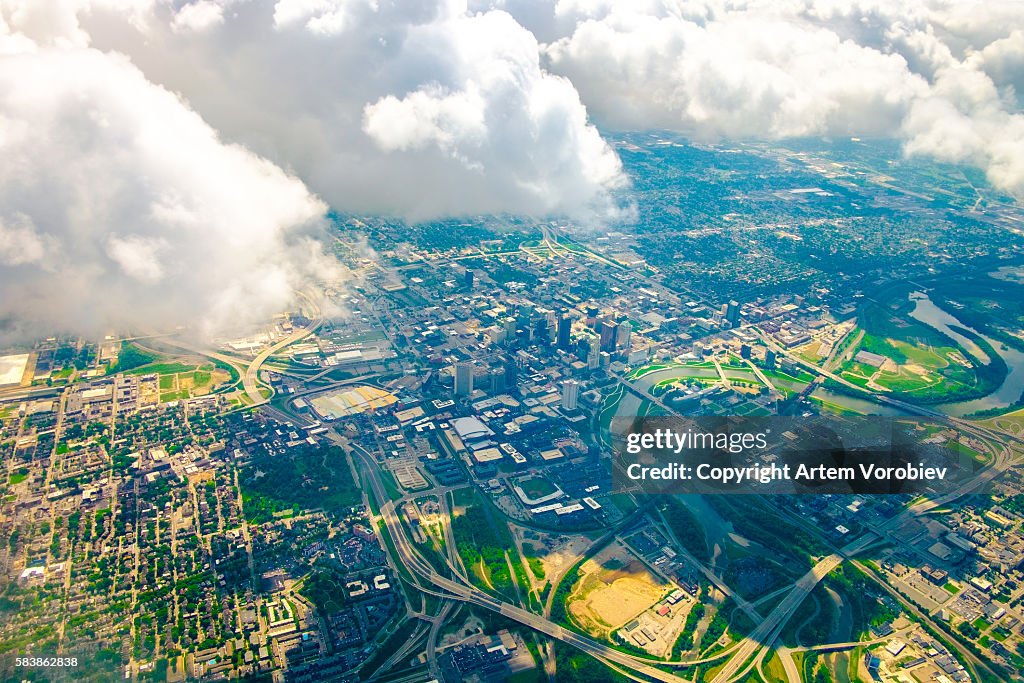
(739,658)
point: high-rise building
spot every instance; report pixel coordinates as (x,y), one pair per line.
(623,336)
(570,394)
(510,376)
(769,359)
(463,379)
(564,332)
(745,351)
(497,334)
(497,377)
(540,329)
(732,313)
(469,278)
(608,330)
(593,352)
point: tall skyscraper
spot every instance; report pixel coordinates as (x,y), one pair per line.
(564,332)
(463,379)
(608,330)
(469,278)
(510,376)
(623,336)
(497,377)
(540,329)
(769,359)
(593,352)
(570,394)
(732,313)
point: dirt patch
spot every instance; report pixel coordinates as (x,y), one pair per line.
(916,369)
(624,599)
(615,587)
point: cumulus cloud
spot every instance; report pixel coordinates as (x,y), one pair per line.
(121,209)
(19,242)
(144,142)
(166,158)
(199,15)
(413,109)
(943,76)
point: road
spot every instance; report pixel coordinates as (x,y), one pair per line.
(911,408)
(761,638)
(763,378)
(250,376)
(460,591)
(712,577)
(793,672)
(250,380)
(765,634)
(721,373)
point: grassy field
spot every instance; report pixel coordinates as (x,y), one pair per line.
(532,559)
(536,487)
(180,380)
(1011,422)
(482,541)
(923,365)
(168,368)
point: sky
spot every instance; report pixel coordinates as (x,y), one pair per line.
(170,162)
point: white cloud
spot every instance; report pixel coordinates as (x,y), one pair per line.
(501,118)
(419,110)
(427,116)
(326,17)
(19,242)
(944,76)
(143,141)
(121,209)
(138,256)
(199,15)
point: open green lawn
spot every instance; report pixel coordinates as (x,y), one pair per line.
(173,396)
(654,367)
(926,366)
(162,368)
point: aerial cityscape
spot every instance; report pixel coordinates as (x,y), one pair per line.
(408,382)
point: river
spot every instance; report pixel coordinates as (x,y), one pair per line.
(1008,392)
(924,311)
(927,312)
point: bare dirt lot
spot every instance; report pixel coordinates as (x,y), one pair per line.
(614,588)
